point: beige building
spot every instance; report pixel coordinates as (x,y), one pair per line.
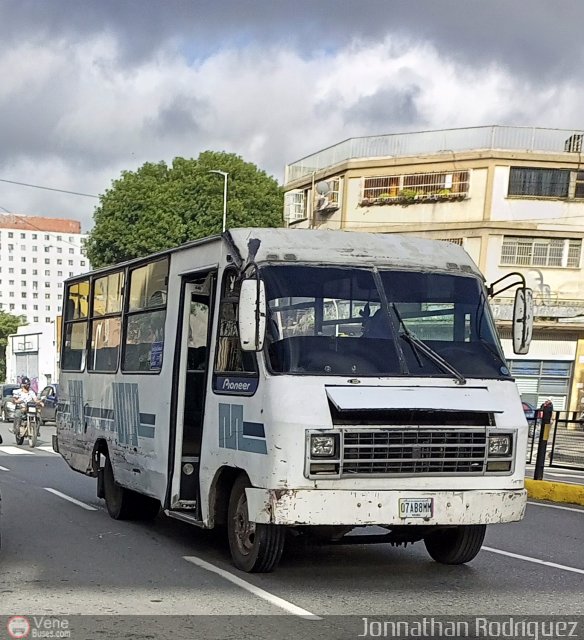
(513,197)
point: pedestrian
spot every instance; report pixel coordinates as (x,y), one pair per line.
(545,411)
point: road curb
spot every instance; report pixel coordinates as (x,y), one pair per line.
(555,491)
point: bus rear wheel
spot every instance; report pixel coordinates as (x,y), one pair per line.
(255,548)
(456,545)
(125,504)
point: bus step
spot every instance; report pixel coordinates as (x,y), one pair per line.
(184,517)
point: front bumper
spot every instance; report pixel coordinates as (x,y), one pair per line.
(337,507)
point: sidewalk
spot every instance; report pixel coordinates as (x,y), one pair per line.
(555,491)
(566,447)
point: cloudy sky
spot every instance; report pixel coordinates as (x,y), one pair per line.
(91,87)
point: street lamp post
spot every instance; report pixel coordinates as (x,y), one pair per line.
(224,174)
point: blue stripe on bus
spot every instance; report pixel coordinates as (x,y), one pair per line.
(254,429)
(232,431)
(146,431)
(105,419)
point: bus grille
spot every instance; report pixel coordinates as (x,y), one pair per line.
(414,451)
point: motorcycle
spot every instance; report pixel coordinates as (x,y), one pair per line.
(29,425)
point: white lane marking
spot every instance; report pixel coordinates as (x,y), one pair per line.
(48,448)
(556,506)
(4,469)
(70,499)
(563,567)
(15,451)
(265,595)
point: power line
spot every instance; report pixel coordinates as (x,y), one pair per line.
(37,186)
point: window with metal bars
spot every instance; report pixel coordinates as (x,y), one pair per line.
(541,252)
(546,183)
(393,187)
(294,206)
(579,184)
(458,241)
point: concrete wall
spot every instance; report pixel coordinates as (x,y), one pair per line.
(35,345)
(521,209)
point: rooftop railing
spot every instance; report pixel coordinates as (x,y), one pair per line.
(527,139)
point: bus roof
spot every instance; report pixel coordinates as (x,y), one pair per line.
(333,247)
(354,248)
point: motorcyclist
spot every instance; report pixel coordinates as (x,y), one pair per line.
(21,397)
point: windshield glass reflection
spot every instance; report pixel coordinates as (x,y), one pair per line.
(331,321)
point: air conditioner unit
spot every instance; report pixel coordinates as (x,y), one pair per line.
(323,203)
(574,143)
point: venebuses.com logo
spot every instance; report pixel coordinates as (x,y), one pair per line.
(37,627)
(18,627)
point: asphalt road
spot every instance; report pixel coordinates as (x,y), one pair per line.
(60,557)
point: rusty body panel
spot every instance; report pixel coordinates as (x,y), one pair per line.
(360,508)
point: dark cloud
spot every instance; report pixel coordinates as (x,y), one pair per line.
(177,119)
(389,109)
(536,38)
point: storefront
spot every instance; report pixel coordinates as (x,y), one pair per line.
(547,370)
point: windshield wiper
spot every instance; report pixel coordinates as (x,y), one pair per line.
(418,344)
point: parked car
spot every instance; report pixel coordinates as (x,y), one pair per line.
(531,416)
(530,411)
(50,397)
(6,404)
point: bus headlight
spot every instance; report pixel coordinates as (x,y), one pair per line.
(322,446)
(500,445)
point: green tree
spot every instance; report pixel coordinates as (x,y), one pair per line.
(8,324)
(158,206)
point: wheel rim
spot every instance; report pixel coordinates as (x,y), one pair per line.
(244,529)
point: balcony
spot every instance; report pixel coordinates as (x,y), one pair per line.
(566,311)
(447,141)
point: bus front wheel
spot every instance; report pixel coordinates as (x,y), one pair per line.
(255,548)
(456,545)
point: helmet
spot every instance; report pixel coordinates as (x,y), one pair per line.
(25,380)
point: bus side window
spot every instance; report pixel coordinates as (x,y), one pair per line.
(145,318)
(75,327)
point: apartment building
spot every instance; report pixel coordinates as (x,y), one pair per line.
(513,197)
(36,255)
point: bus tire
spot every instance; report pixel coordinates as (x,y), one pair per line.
(116,498)
(456,545)
(143,507)
(255,548)
(125,504)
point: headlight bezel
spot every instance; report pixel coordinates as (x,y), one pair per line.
(323,437)
(494,437)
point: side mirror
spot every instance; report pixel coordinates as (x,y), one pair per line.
(522,320)
(252,315)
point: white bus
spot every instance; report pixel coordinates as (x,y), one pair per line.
(277,379)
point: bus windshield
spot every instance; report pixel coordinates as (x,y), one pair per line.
(359,322)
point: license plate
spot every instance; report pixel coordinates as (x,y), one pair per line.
(32,409)
(416,507)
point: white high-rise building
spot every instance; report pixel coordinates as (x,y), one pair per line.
(36,255)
